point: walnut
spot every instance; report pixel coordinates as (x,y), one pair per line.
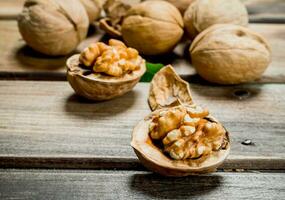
(205,13)
(93,9)
(115,12)
(53,27)
(166,121)
(189,137)
(152,27)
(175,90)
(104,71)
(114,59)
(179,139)
(230,54)
(182,5)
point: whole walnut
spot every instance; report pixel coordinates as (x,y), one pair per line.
(93,9)
(182,5)
(230,54)
(53,27)
(202,14)
(152,27)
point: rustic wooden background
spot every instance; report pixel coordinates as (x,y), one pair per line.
(56,145)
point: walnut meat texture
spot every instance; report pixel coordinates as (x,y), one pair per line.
(230,54)
(53,27)
(186,132)
(115,59)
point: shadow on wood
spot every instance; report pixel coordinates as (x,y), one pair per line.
(84,108)
(30,58)
(156,186)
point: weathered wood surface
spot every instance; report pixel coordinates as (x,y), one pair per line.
(9,9)
(62,184)
(266,11)
(43,124)
(17,61)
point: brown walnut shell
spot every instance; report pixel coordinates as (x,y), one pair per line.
(152,27)
(152,156)
(93,9)
(100,87)
(202,14)
(182,5)
(176,90)
(53,27)
(230,54)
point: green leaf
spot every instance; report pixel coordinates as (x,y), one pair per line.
(151,69)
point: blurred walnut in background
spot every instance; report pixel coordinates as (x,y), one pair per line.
(202,14)
(152,27)
(182,5)
(53,27)
(93,9)
(115,11)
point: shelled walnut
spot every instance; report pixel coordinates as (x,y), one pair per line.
(114,60)
(181,138)
(186,133)
(104,71)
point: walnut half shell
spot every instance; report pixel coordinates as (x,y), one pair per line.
(156,144)
(97,86)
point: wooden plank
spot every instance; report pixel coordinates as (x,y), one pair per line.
(266,11)
(9,9)
(62,184)
(43,124)
(17,61)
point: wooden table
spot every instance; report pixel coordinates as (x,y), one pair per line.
(56,145)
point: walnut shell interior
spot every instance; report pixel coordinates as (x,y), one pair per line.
(97,86)
(168,89)
(148,144)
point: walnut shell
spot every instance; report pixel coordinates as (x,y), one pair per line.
(93,9)
(205,13)
(115,12)
(182,5)
(99,88)
(176,90)
(154,159)
(53,27)
(153,27)
(230,54)
(149,153)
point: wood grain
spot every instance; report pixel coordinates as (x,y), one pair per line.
(62,184)
(266,11)
(9,9)
(18,61)
(43,124)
